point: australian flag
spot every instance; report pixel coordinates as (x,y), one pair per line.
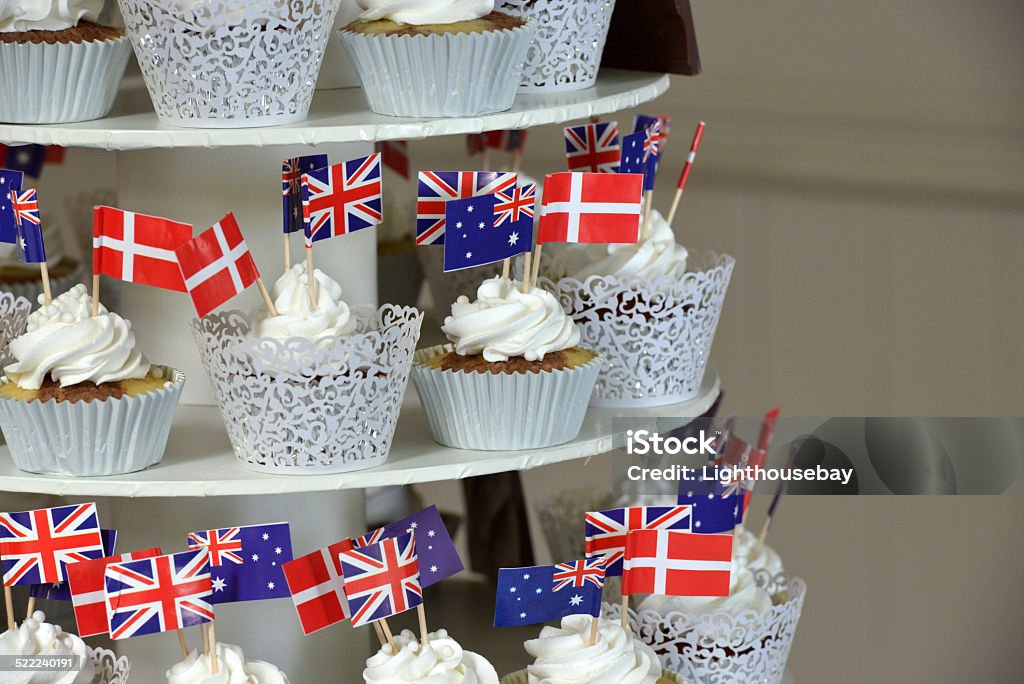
(642,122)
(541,593)
(633,160)
(29,228)
(291,187)
(715,507)
(473,239)
(9,180)
(434,547)
(60,591)
(245,562)
(28,159)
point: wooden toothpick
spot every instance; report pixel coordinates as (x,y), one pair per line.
(287,251)
(527,269)
(390,637)
(625,612)
(594,624)
(182,643)
(31,607)
(9,604)
(214,665)
(379,632)
(310,277)
(422,614)
(266,297)
(95,294)
(44,273)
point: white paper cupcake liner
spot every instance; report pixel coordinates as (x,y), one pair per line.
(91,438)
(32,289)
(108,667)
(303,407)
(451,74)
(523,677)
(502,411)
(46,83)
(571,34)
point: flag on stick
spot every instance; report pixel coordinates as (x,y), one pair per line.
(138,248)
(591,207)
(317,587)
(474,240)
(291,187)
(592,147)
(29,227)
(541,593)
(635,160)
(341,199)
(606,531)
(642,122)
(245,562)
(61,591)
(36,546)
(87,590)
(9,181)
(435,549)
(435,188)
(382,579)
(698,136)
(670,563)
(216,265)
(716,508)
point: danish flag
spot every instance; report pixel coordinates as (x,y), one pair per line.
(591,207)
(224,545)
(341,199)
(593,147)
(672,563)
(88,590)
(515,204)
(382,579)
(138,248)
(606,530)
(216,265)
(36,546)
(318,587)
(437,187)
(159,594)
(577,573)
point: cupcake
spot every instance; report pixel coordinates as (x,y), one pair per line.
(80,398)
(437,57)
(441,659)
(64,66)
(513,360)
(313,389)
(650,309)
(566,655)
(231,667)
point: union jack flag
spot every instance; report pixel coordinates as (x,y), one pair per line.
(369,538)
(35,546)
(577,573)
(291,187)
(382,579)
(642,122)
(515,204)
(26,206)
(224,545)
(606,530)
(437,187)
(653,138)
(341,199)
(159,594)
(593,147)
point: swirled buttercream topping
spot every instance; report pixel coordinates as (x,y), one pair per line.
(654,256)
(565,655)
(504,322)
(440,661)
(37,637)
(296,317)
(66,342)
(46,15)
(232,668)
(421,12)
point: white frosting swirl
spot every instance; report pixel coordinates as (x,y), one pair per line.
(296,318)
(440,661)
(37,637)
(505,322)
(654,256)
(232,668)
(425,11)
(65,341)
(46,15)
(564,655)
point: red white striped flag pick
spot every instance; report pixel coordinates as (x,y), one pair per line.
(698,136)
(675,563)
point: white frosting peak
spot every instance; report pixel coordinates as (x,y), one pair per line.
(296,318)
(37,637)
(65,341)
(654,256)
(232,668)
(46,15)
(440,661)
(565,655)
(504,322)
(425,11)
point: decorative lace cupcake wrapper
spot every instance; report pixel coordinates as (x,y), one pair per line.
(230,63)
(571,35)
(110,669)
(302,406)
(655,336)
(14,311)
(719,648)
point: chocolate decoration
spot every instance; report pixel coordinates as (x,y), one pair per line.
(653,35)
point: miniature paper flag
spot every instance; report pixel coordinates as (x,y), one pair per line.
(28,159)
(591,207)
(159,594)
(9,180)
(36,546)
(29,227)
(764,439)
(138,248)
(382,579)
(698,136)
(54,154)
(634,159)
(715,508)
(593,147)
(435,188)
(245,562)
(291,187)
(87,587)
(437,555)
(515,206)
(541,593)
(606,530)
(670,563)
(216,265)
(317,587)
(642,122)
(341,199)
(394,154)
(472,239)
(735,454)
(60,591)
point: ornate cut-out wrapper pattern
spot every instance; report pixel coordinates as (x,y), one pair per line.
(655,336)
(14,311)
(91,438)
(300,406)
(566,53)
(523,677)
(230,63)
(110,669)
(31,288)
(503,411)
(452,74)
(60,83)
(719,648)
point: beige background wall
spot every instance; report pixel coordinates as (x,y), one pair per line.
(864,163)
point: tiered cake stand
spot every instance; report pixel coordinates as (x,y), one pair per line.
(198,175)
